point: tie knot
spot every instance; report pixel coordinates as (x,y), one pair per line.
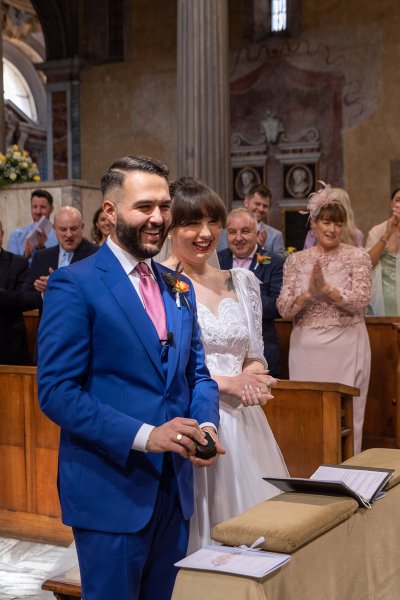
(242,261)
(143,269)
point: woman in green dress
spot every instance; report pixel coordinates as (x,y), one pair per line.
(383,245)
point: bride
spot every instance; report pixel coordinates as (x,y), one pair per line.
(229,314)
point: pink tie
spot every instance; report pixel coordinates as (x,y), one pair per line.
(152,299)
(242,262)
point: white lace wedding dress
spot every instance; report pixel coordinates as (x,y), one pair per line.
(235,483)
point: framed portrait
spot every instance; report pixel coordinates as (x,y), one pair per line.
(299,180)
(244,178)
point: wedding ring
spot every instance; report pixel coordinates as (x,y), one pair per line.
(179,437)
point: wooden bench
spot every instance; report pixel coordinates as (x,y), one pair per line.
(382,413)
(29,506)
(62,590)
(312,423)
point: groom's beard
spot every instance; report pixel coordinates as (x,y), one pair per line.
(130,237)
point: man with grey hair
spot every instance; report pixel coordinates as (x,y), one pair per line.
(71,248)
(68,226)
(244,251)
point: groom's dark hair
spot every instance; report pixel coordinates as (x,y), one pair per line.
(115,175)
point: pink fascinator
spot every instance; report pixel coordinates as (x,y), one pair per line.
(319,199)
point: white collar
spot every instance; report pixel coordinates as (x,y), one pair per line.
(127,260)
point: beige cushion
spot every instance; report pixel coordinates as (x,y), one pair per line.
(287,521)
(381,458)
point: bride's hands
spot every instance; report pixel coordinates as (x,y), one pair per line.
(253,387)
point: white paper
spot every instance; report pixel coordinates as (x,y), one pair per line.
(363,482)
(42,225)
(251,563)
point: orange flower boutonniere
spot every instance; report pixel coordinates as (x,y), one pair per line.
(262,259)
(177,286)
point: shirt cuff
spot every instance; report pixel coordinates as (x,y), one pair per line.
(140,440)
(207,424)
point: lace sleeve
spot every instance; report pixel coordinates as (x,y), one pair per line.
(356,298)
(290,289)
(247,287)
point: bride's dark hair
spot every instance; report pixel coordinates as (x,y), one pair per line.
(192,200)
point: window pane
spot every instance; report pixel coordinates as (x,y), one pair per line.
(17,90)
(278,15)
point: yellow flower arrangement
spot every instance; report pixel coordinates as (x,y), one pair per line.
(16,166)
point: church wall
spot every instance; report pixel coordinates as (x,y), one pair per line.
(340,75)
(130,107)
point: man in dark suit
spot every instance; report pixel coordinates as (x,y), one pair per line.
(122,372)
(243,251)
(13,272)
(71,248)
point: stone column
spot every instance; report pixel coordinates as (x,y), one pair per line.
(203,93)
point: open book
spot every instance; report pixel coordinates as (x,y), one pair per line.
(365,484)
(240,561)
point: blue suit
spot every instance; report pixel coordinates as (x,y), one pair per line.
(102,374)
(271,276)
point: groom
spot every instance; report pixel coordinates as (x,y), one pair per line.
(121,370)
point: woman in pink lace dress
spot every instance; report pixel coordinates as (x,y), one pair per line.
(326,290)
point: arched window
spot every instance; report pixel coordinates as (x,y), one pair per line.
(17,90)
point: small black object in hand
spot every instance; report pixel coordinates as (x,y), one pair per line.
(208,451)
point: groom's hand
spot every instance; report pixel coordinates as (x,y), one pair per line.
(178,435)
(201,462)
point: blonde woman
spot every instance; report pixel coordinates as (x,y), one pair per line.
(350,234)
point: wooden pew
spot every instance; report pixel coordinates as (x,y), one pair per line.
(31,320)
(312,423)
(29,506)
(382,416)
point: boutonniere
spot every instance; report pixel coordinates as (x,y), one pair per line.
(262,259)
(177,287)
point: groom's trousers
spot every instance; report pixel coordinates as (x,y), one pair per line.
(136,566)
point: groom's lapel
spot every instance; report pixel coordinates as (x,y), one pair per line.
(174,321)
(123,293)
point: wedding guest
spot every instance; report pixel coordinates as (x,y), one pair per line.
(13,272)
(101,227)
(350,234)
(243,251)
(41,205)
(229,312)
(383,245)
(71,247)
(326,290)
(258,201)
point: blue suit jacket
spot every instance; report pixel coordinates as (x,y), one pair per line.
(271,276)
(100,378)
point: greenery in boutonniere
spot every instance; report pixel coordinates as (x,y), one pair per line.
(262,259)
(177,286)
